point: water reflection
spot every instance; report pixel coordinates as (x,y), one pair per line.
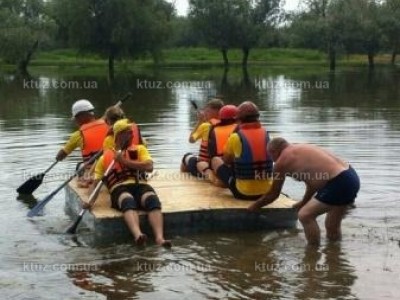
(327,274)
(357,117)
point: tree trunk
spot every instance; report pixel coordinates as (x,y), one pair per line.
(111,72)
(394,54)
(332,58)
(371,62)
(246,52)
(23,64)
(225,56)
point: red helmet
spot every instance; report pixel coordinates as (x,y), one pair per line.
(228,112)
(247,110)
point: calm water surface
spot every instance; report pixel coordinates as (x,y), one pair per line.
(353,113)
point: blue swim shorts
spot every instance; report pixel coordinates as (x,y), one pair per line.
(340,190)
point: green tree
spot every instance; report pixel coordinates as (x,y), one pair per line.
(233,23)
(390,24)
(115,28)
(23,27)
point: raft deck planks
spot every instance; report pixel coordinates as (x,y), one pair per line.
(189,205)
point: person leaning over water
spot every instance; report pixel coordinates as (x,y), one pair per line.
(246,165)
(199,166)
(128,189)
(331,185)
(89,137)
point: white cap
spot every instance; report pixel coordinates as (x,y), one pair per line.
(81,106)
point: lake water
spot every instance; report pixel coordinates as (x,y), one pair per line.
(352,112)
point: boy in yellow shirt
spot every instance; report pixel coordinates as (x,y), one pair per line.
(199,166)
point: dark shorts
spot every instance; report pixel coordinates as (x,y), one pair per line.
(225,174)
(340,190)
(192,165)
(136,190)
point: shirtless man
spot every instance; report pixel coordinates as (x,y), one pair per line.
(331,185)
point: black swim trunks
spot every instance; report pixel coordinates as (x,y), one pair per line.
(340,190)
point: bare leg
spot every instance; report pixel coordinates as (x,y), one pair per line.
(184,163)
(308,217)
(157,223)
(333,222)
(217,162)
(131,219)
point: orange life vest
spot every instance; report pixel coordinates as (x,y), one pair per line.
(203,153)
(93,135)
(254,162)
(120,173)
(218,137)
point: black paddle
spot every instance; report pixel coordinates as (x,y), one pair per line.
(38,207)
(92,200)
(194,104)
(29,186)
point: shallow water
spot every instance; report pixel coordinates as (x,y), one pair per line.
(353,113)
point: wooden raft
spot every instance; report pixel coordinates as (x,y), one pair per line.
(188,205)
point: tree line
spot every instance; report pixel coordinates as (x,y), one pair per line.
(132,29)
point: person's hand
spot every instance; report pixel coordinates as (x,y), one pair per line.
(255,206)
(86,205)
(61,155)
(119,157)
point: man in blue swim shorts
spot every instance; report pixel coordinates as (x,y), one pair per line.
(331,186)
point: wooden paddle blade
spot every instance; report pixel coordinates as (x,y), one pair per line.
(36,210)
(29,186)
(74,226)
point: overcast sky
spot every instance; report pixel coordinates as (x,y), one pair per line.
(182,5)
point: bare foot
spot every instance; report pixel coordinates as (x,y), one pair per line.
(141,240)
(164,243)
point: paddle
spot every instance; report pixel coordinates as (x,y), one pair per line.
(92,200)
(29,186)
(194,104)
(38,207)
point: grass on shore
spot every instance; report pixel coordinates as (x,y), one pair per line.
(192,57)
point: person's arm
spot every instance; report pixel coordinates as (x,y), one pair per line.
(273,194)
(195,134)
(74,142)
(144,162)
(307,197)
(229,150)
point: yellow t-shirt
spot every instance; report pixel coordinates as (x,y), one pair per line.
(75,141)
(202,132)
(248,187)
(143,155)
(108,143)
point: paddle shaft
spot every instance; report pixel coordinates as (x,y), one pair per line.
(92,199)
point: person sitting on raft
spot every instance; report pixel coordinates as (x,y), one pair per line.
(246,165)
(220,133)
(128,188)
(199,166)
